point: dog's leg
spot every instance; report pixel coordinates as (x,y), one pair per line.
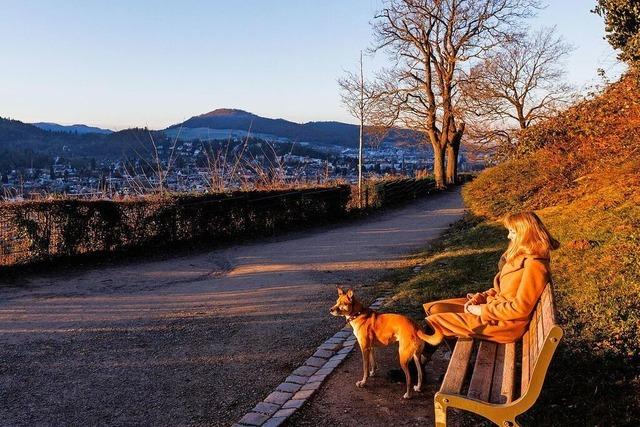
(365,367)
(405,356)
(416,359)
(373,367)
(427,353)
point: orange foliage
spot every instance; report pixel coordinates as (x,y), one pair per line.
(593,144)
(604,126)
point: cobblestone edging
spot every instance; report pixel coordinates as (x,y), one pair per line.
(303,382)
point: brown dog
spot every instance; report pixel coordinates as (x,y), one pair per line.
(373,329)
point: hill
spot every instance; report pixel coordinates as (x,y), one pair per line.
(242,121)
(77,128)
(581,171)
(15,130)
(23,144)
(225,122)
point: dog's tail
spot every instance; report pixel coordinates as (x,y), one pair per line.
(434,339)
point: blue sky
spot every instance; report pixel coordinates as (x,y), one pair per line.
(118,63)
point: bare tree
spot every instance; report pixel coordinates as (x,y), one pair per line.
(518,84)
(361,98)
(429,41)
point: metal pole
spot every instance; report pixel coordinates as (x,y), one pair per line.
(361,133)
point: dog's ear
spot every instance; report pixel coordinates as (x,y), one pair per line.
(340,291)
(350,293)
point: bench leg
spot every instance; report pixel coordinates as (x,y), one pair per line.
(500,416)
(440,408)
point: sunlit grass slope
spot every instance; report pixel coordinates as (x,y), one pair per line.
(581,172)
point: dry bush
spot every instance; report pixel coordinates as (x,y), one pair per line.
(605,126)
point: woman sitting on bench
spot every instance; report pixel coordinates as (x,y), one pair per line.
(500,314)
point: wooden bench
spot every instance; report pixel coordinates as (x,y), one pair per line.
(490,389)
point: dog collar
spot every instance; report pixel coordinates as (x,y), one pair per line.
(353,317)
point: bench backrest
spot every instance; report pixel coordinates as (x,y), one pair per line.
(539,343)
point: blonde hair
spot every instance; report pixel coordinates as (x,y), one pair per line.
(532,237)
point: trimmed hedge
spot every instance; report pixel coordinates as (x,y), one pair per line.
(38,231)
(401,190)
(391,192)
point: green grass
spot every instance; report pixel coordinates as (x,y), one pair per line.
(463,260)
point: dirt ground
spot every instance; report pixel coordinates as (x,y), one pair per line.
(192,340)
(340,403)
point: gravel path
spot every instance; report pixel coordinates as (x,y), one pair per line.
(193,340)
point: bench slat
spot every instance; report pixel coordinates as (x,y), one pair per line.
(452,383)
(549,318)
(481,379)
(533,341)
(504,374)
(524,380)
(541,335)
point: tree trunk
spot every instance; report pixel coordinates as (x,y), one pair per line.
(452,163)
(453,150)
(438,166)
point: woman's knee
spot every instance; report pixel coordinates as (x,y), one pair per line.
(437,308)
(427,308)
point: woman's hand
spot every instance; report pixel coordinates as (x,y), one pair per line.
(477,298)
(474,309)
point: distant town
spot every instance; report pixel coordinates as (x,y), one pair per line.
(196,166)
(222,150)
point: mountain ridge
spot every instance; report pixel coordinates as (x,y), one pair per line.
(227,111)
(240,121)
(75,128)
(24,143)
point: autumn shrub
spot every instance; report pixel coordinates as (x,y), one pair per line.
(607,123)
